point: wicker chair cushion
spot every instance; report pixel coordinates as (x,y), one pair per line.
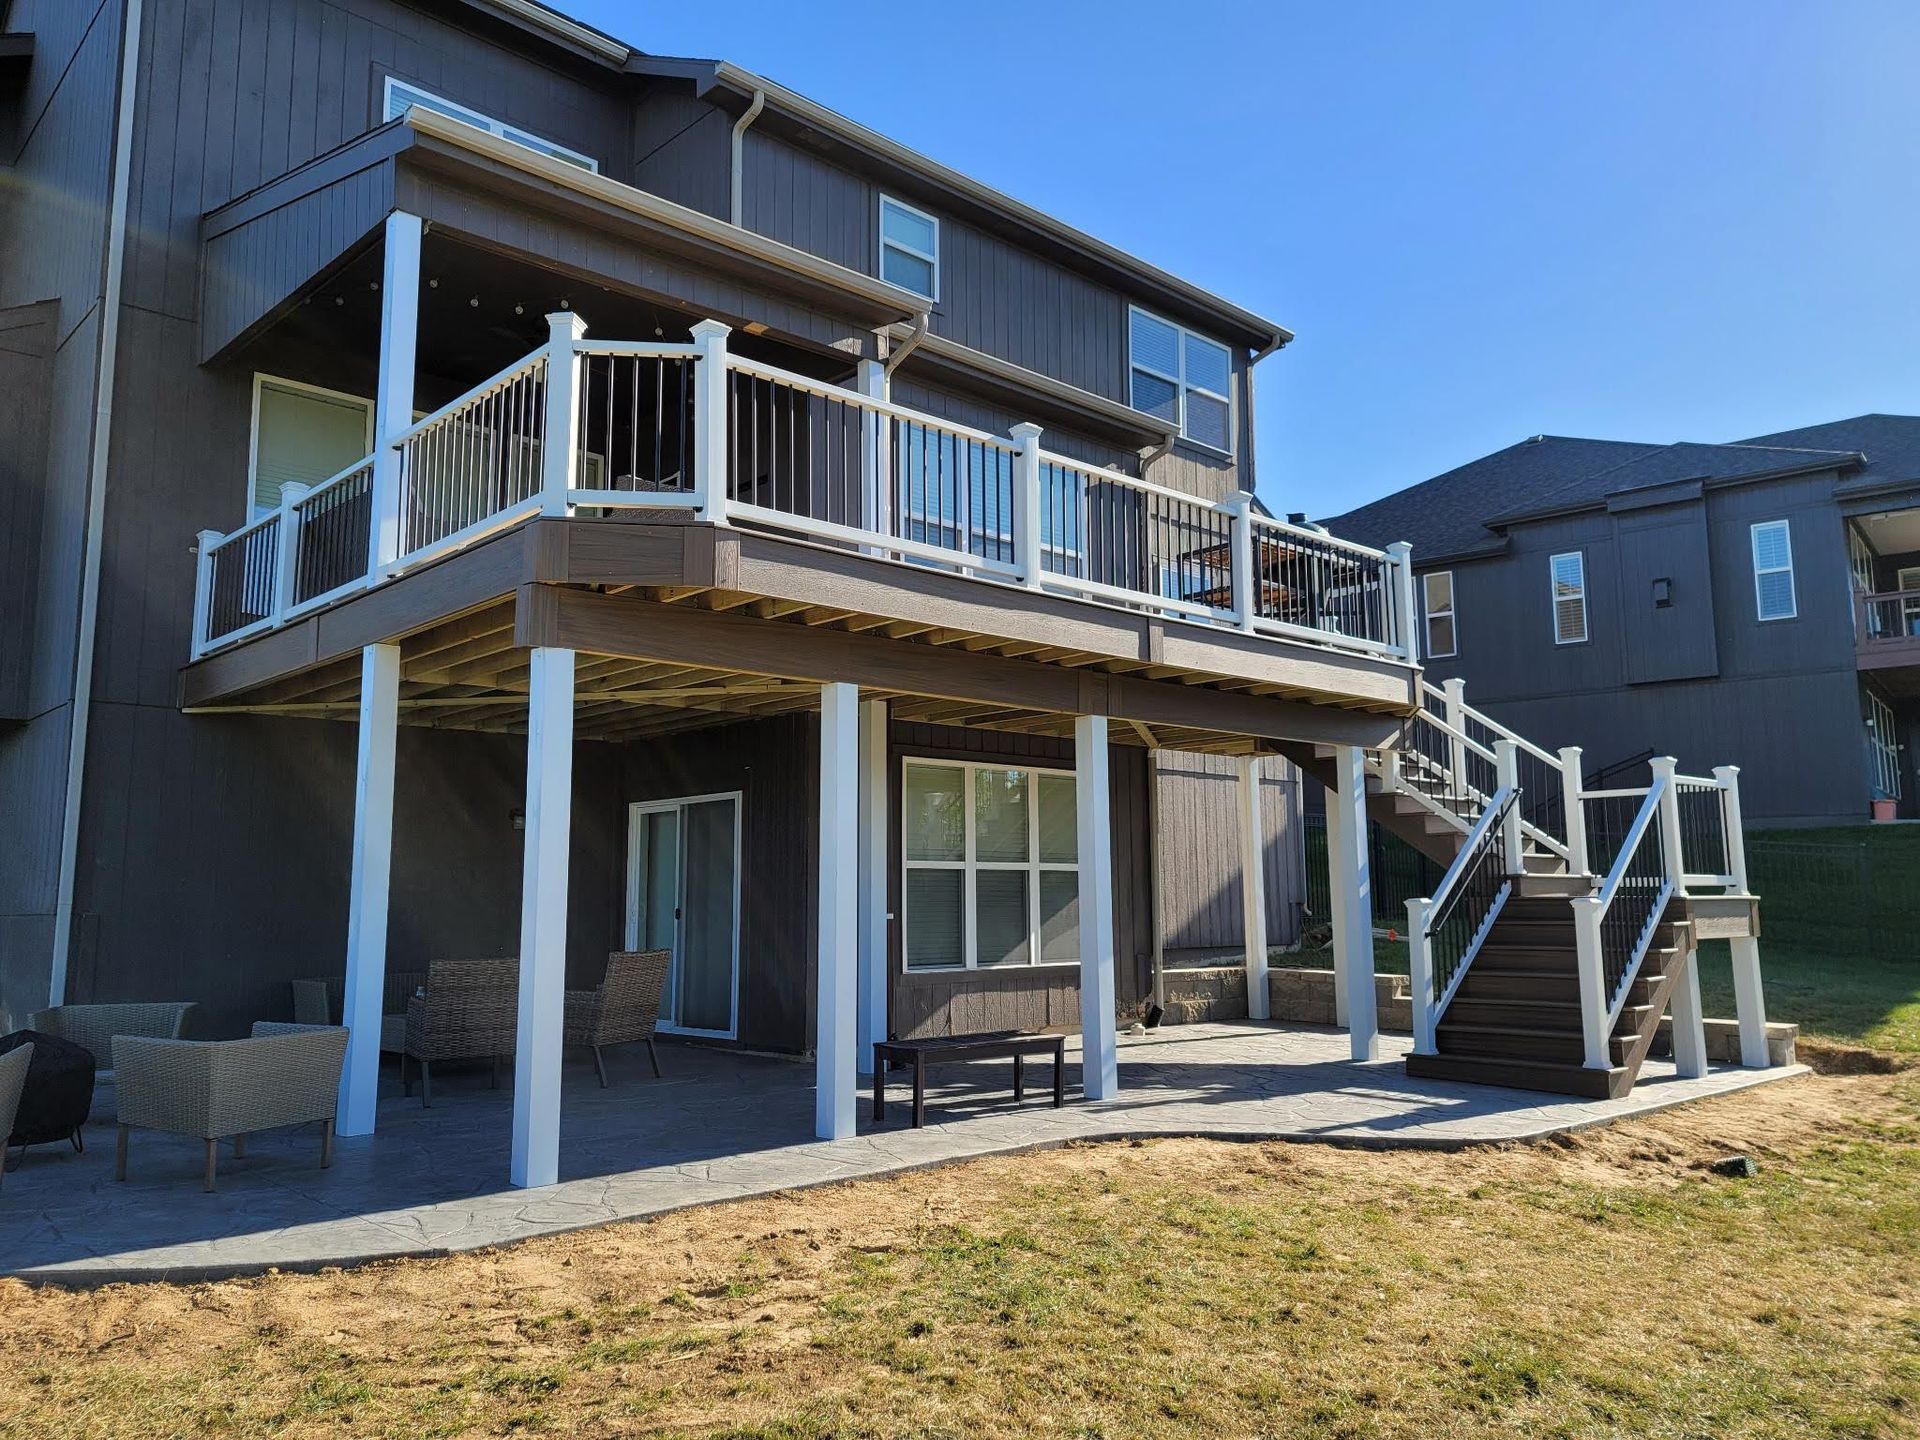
(58,1088)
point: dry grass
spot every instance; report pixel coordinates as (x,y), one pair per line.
(1606,1285)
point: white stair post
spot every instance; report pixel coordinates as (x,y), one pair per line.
(1348,865)
(203,589)
(1027,549)
(1573,806)
(1400,558)
(875,969)
(1689,1025)
(369,880)
(837,1002)
(1099,1047)
(1420,975)
(870,379)
(1668,819)
(540,1022)
(1456,717)
(710,422)
(1506,756)
(1253,888)
(1246,599)
(1749,996)
(559,459)
(286,560)
(393,399)
(1594,1000)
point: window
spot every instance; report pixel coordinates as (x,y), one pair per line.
(402,96)
(909,248)
(302,434)
(1441,639)
(1569,598)
(1182,377)
(991,866)
(1773,571)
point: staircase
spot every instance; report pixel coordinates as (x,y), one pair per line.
(1531,966)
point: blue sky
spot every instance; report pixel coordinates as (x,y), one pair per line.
(1643,219)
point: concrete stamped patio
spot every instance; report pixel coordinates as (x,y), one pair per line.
(720,1126)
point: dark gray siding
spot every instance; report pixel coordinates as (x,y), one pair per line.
(1201,892)
(26,339)
(1666,547)
(682,150)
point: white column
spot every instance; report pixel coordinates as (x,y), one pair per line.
(1573,807)
(1353,897)
(1668,819)
(543,920)
(371,876)
(1253,887)
(1026,492)
(286,560)
(203,588)
(1246,597)
(560,443)
(1506,756)
(1400,558)
(1749,996)
(710,422)
(1336,907)
(875,971)
(1689,1025)
(1456,716)
(393,400)
(1594,1000)
(870,379)
(1420,974)
(838,1000)
(1099,1050)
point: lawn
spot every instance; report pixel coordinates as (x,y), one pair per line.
(1606,1285)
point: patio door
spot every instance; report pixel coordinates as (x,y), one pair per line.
(1907,578)
(683,895)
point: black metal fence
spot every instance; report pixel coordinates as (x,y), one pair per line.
(1399,873)
(1835,898)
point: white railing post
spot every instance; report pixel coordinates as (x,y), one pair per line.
(1728,778)
(1573,806)
(1506,756)
(1420,974)
(876,470)
(286,560)
(710,422)
(1749,996)
(203,589)
(561,441)
(1456,717)
(1663,767)
(393,401)
(1400,559)
(1246,600)
(1594,1000)
(1026,501)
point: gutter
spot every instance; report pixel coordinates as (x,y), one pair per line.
(906,347)
(92,540)
(739,150)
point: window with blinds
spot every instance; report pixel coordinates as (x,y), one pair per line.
(909,248)
(402,97)
(1442,637)
(991,866)
(1773,571)
(1183,378)
(303,434)
(1569,574)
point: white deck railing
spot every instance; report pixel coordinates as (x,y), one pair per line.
(590,426)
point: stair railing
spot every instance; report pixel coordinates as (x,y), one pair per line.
(1446,930)
(1614,928)
(1466,755)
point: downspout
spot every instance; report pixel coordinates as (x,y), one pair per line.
(96,506)
(740,150)
(907,346)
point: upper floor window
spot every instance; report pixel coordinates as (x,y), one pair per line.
(302,434)
(401,97)
(1569,598)
(1442,639)
(1773,570)
(909,248)
(1182,377)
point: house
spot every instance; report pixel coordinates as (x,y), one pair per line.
(488,490)
(1755,602)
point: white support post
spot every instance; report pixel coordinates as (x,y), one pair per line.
(1028,550)
(1246,602)
(543,919)
(1663,767)
(393,400)
(1336,905)
(1594,1000)
(837,1003)
(1420,975)
(1253,888)
(286,560)
(1348,865)
(1573,806)
(710,422)
(1099,1046)
(1506,755)
(203,588)
(1749,996)
(1456,716)
(1689,1022)
(369,880)
(870,379)
(875,969)
(560,453)
(1400,558)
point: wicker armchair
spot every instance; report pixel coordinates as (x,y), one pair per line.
(216,1089)
(95,1026)
(319,1001)
(13,1080)
(471,1011)
(625,1008)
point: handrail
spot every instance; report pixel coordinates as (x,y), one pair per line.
(827,390)
(1629,843)
(524,365)
(1482,860)
(1132,482)
(1488,819)
(1318,537)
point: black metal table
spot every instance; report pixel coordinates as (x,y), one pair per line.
(941,1049)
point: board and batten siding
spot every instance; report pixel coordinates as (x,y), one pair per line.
(1200,851)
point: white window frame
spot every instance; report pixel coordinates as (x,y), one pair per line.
(887,244)
(1180,383)
(1554,598)
(260,381)
(1883,745)
(1793,583)
(1451,613)
(553,148)
(1033,866)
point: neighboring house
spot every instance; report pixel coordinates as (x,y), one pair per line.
(1755,603)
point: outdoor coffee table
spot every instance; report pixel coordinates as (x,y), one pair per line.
(921,1053)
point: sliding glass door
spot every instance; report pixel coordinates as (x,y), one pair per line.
(683,895)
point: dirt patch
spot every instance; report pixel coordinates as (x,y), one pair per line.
(1826,1058)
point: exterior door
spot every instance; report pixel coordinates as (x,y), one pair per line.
(683,895)
(1908,578)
